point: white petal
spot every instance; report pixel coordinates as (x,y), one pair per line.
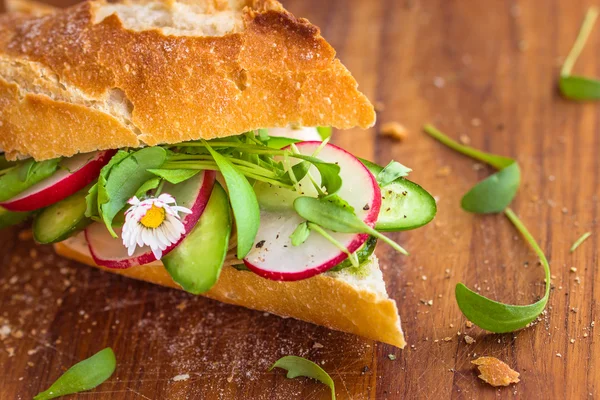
(166,198)
(157,253)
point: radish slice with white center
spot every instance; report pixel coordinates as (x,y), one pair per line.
(304,133)
(273,255)
(110,252)
(73,174)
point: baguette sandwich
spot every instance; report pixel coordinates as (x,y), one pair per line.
(186,143)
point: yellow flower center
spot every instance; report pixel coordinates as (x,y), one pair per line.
(154,217)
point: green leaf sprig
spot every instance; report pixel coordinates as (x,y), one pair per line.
(494,195)
(83,376)
(335,217)
(579,87)
(579,241)
(299,366)
(243,203)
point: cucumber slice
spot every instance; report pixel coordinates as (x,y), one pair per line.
(8,218)
(61,220)
(404,204)
(196,263)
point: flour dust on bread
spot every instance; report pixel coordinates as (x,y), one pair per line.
(102,75)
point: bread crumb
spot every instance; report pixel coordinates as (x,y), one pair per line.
(317,346)
(395,130)
(443,172)
(391,357)
(447,339)
(573,269)
(10,351)
(469,339)
(558,355)
(469,324)
(464,139)
(572,340)
(25,234)
(495,372)
(182,377)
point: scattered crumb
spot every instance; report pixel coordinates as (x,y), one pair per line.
(572,340)
(447,339)
(495,372)
(439,82)
(469,339)
(558,355)
(391,357)
(26,234)
(573,269)
(10,351)
(443,171)
(181,306)
(317,346)
(469,324)
(476,122)
(395,130)
(182,377)
(424,277)
(464,139)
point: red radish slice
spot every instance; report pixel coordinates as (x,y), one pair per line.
(273,255)
(110,252)
(73,174)
(304,133)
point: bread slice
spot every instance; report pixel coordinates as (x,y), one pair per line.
(349,302)
(103,75)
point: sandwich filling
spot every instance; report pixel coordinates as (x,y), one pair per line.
(283,203)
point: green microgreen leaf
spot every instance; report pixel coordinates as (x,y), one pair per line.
(147,186)
(300,234)
(122,180)
(278,142)
(391,172)
(499,317)
(83,376)
(299,366)
(579,87)
(24,175)
(263,135)
(325,132)
(579,241)
(330,215)
(174,176)
(243,203)
(496,192)
(330,173)
(493,195)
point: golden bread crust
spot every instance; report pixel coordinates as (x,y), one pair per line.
(321,300)
(106,85)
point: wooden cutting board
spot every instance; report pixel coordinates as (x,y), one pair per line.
(483,70)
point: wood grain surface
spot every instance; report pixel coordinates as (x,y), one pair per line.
(485,70)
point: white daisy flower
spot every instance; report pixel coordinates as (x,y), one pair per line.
(153,222)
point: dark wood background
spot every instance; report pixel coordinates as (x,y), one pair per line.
(483,69)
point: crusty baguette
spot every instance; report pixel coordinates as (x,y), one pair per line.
(351,303)
(29,7)
(104,75)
